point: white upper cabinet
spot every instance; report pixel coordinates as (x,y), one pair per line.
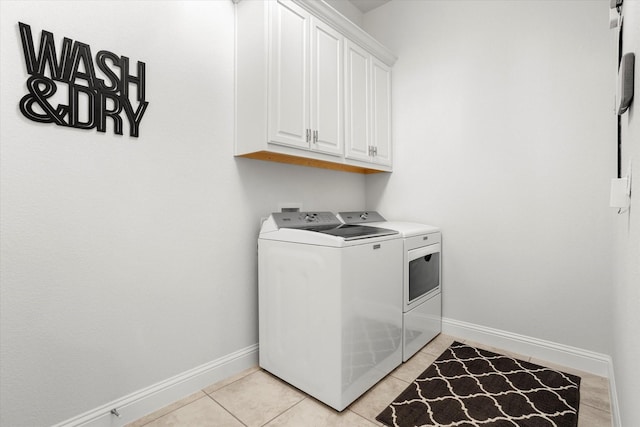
(327,88)
(289,75)
(294,61)
(305,87)
(357,102)
(381,112)
(368,107)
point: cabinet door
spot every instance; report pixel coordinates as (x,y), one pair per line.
(381,112)
(326,88)
(288,91)
(357,91)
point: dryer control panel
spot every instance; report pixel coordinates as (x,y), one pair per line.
(360,217)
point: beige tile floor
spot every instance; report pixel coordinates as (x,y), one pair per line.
(256,398)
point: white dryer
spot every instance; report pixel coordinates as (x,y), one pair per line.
(330,304)
(421,278)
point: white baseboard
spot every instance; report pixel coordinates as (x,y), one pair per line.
(615,409)
(560,354)
(138,404)
(573,357)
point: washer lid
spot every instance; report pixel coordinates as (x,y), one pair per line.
(355,232)
(322,223)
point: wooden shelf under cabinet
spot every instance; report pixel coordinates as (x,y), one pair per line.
(302,161)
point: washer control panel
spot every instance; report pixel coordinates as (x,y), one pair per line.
(305,219)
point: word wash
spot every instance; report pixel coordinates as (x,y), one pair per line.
(90,101)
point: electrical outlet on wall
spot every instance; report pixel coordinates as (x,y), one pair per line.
(621,192)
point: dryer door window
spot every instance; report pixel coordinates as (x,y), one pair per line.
(424,272)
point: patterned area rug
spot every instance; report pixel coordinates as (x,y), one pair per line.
(468,387)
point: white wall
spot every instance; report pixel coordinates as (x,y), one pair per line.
(626,304)
(505,137)
(127,261)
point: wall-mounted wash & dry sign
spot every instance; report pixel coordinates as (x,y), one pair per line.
(90,100)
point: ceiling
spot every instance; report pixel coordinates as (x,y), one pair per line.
(366,5)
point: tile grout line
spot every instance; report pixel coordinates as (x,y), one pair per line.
(363,417)
(232,382)
(226,410)
(156,418)
(400,379)
(303,397)
(225,386)
(594,407)
(286,410)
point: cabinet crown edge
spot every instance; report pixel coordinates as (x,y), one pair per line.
(324,11)
(334,18)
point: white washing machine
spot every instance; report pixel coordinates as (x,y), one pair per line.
(330,304)
(421,278)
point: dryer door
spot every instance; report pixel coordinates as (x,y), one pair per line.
(423,275)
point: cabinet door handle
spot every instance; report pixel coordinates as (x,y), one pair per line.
(315,136)
(308,135)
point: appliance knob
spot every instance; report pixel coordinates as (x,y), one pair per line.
(364,215)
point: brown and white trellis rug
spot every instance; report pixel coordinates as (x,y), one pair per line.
(468,387)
